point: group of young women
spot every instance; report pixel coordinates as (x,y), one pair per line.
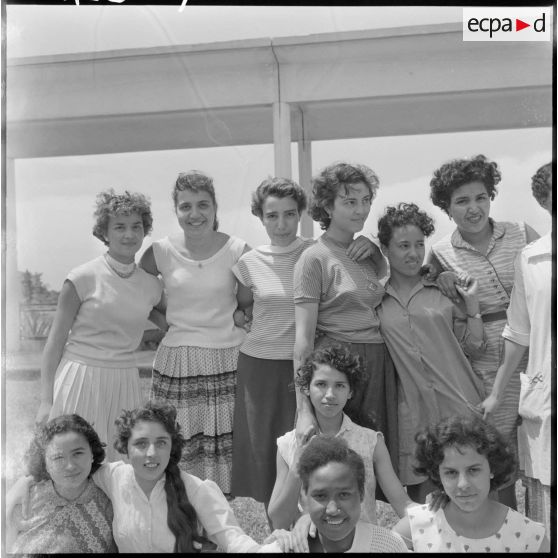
(375,360)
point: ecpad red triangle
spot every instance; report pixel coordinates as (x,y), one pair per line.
(519,25)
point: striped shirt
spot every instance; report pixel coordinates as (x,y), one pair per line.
(268,271)
(347,292)
(495,274)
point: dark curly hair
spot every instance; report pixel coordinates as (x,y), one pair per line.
(280,188)
(541,183)
(458,172)
(181,517)
(460,431)
(320,451)
(109,204)
(401,216)
(195,181)
(35,455)
(329,182)
(337,356)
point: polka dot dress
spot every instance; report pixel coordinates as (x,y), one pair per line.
(432,533)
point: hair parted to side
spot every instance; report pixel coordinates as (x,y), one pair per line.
(334,179)
(195,181)
(541,183)
(458,172)
(35,455)
(402,215)
(320,451)
(337,356)
(181,517)
(110,204)
(280,188)
(458,432)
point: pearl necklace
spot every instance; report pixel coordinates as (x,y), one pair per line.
(122,270)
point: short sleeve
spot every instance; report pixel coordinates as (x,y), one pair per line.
(286,446)
(242,273)
(237,247)
(83,282)
(518,326)
(307,283)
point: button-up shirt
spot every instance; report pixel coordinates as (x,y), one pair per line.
(529,324)
(426,337)
(140,522)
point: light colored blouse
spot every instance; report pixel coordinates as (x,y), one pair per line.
(529,324)
(361,440)
(201,296)
(347,292)
(268,271)
(140,523)
(111,318)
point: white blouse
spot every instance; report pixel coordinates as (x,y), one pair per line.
(140,523)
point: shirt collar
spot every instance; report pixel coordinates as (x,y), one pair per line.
(540,247)
(498,230)
(346,425)
(424,282)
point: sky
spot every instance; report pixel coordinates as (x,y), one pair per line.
(55,196)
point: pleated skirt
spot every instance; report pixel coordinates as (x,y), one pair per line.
(265,409)
(98,395)
(200,382)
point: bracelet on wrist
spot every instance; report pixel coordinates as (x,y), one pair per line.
(475,316)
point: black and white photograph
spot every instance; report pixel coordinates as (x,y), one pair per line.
(278,278)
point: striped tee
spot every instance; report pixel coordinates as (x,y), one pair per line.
(268,271)
(495,274)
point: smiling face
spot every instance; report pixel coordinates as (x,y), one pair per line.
(465,476)
(329,391)
(350,210)
(124,236)
(405,251)
(333,502)
(195,212)
(68,460)
(280,218)
(470,208)
(149,448)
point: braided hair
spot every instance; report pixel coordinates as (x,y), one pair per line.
(181,516)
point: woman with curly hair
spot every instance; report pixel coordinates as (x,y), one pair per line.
(467,458)
(158,507)
(58,509)
(330,377)
(435,379)
(88,365)
(336,296)
(486,249)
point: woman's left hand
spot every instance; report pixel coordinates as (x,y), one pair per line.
(468,288)
(362,248)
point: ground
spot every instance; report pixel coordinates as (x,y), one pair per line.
(22,392)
